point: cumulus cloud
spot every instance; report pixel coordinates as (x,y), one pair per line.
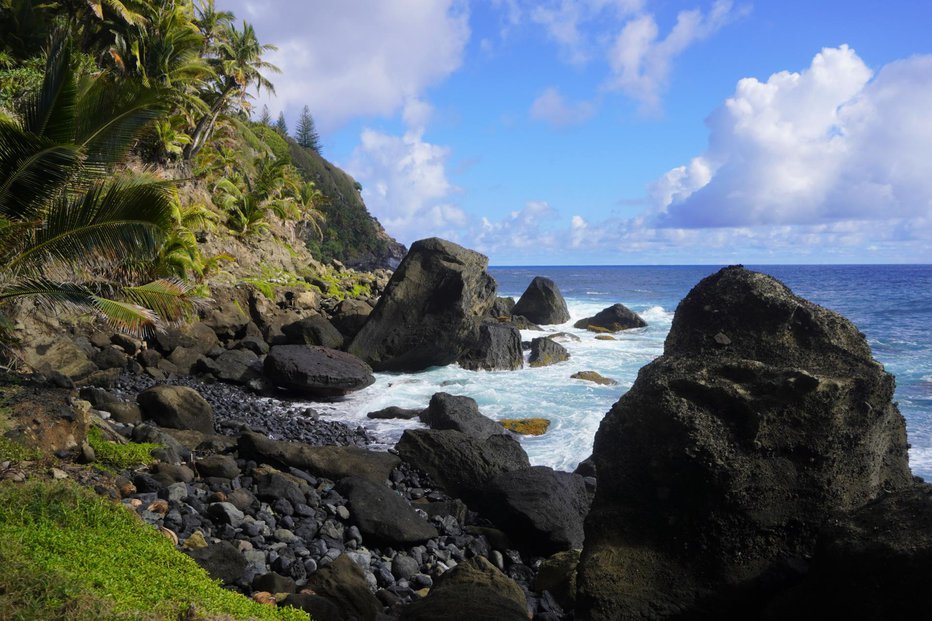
(552,108)
(404,179)
(829,144)
(525,231)
(641,62)
(350,59)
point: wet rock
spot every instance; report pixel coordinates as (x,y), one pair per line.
(430,311)
(526,426)
(542,303)
(459,413)
(393,411)
(383,515)
(545,352)
(497,347)
(316,371)
(615,318)
(176,406)
(753,447)
(596,378)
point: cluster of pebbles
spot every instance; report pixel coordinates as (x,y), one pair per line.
(261,529)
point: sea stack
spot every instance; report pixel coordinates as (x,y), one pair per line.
(542,303)
(765,418)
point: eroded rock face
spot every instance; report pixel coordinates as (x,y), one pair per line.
(542,303)
(430,311)
(497,347)
(765,417)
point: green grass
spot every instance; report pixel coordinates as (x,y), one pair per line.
(120,456)
(67,554)
(14,451)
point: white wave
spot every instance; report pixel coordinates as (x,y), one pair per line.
(920,461)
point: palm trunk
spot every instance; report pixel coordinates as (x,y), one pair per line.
(205,125)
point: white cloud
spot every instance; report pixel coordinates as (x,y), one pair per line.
(552,108)
(564,21)
(350,59)
(641,63)
(525,231)
(825,145)
(405,182)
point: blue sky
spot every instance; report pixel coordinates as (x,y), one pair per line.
(623,131)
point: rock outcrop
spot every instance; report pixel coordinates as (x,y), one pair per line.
(430,311)
(497,348)
(461,414)
(765,417)
(179,407)
(545,351)
(615,318)
(542,303)
(317,371)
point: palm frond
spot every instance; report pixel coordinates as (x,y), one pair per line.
(32,169)
(169,299)
(49,113)
(105,224)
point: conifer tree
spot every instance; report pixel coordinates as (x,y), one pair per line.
(266,118)
(280,125)
(306,134)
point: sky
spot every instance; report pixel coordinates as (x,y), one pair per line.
(616,132)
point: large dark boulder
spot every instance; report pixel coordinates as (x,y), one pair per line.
(382,515)
(430,311)
(460,463)
(542,303)
(460,413)
(545,351)
(875,563)
(313,330)
(475,589)
(316,371)
(497,347)
(615,318)
(179,407)
(541,509)
(502,307)
(349,316)
(235,365)
(765,418)
(333,462)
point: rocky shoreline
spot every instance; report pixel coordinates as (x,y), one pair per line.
(735,479)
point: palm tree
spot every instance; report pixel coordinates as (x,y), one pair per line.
(239,65)
(64,219)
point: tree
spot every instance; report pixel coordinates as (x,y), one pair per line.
(238,65)
(65,219)
(266,118)
(280,126)
(306,134)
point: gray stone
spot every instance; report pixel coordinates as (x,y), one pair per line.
(382,515)
(542,303)
(545,351)
(177,406)
(317,371)
(226,513)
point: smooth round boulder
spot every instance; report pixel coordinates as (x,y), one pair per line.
(316,371)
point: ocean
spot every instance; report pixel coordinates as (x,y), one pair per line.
(890,304)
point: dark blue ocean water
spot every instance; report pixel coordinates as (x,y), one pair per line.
(890,304)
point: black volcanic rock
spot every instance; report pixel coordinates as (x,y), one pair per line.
(497,347)
(179,407)
(382,514)
(615,318)
(430,311)
(317,371)
(542,303)
(461,414)
(545,351)
(460,463)
(765,418)
(313,330)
